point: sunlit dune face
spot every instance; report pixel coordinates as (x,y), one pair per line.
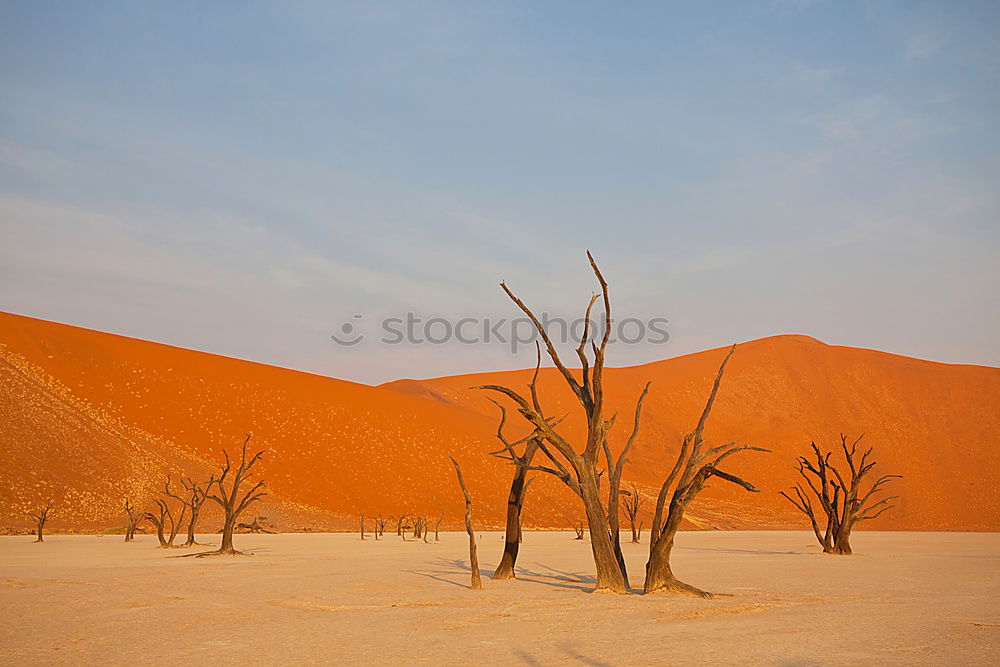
(89,419)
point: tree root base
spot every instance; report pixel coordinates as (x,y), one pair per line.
(205,554)
(680,588)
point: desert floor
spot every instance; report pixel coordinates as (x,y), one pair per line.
(330,598)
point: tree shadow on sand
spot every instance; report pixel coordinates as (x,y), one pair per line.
(761,552)
(454,571)
(451,568)
(570,651)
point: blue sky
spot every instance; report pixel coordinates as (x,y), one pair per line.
(241,178)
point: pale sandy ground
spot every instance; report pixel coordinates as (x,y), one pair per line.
(331,599)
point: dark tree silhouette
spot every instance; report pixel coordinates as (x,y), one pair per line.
(40,516)
(575,466)
(166,523)
(380,522)
(401,526)
(632,505)
(578,528)
(195,499)
(226,492)
(841,499)
(133,518)
(477,582)
(518,486)
(694,466)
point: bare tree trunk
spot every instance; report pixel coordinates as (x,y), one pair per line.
(477,583)
(159,522)
(512,536)
(226,548)
(159,535)
(609,571)
(195,500)
(659,575)
(363,527)
(192,525)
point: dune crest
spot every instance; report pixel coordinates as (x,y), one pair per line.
(89,417)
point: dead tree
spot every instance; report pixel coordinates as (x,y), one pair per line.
(576,466)
(437,526)
(632,505)
(40,516)
(477,583)
(159,521)
(515,497)
(133,518)
(405,526)
(419,523)
(520,518)
(694,466)
(363,527)
(195,499)
(841,499)
(578,528)
(380,522)
(230,499)
(166,523)
(400,520)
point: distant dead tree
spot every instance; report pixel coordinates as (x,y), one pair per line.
(419,523)
(363,526)
(230,499)
(694,466)
(400,520)
(133,518)
(477,583)
(841,499)
(40,516)
(437,526)
(380,522)
(166,523)
(632,505)
(159,521)
(578,528)
(195,499)
(515,497)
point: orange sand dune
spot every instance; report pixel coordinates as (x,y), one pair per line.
(88,418)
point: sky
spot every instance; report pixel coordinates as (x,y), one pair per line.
(249,178)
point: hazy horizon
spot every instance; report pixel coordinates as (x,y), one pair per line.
(244,182)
